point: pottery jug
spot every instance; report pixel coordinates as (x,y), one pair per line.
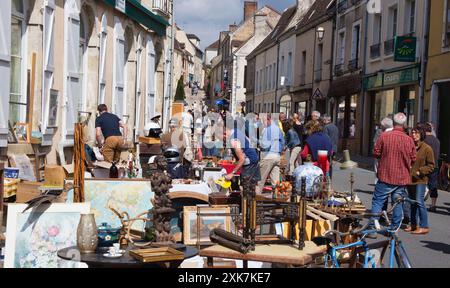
(87,236)
(114,171)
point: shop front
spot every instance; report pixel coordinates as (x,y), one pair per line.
(286,105)
(301,102)
(344,111)
(388,93)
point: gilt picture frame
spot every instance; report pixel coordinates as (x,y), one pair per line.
(220,218)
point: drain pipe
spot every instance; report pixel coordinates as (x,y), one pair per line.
(424,61)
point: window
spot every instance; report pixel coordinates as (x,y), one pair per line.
(355,42)
(319,60)
(289,69)
(393,21)
(266,79)
(410,19)
(303,73)
(341,50)
(447,25)
(261,80)
(377,22)
(274,78)
(269,80)
(257,82)
(282,66)
(17,93)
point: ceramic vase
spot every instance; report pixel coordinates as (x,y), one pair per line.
(87,235)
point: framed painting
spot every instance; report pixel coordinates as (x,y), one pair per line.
(23,132)
(207,223)
(34,237)
(131,196)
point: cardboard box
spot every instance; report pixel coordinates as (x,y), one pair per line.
(27,190)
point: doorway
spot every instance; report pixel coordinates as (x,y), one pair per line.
(443,123)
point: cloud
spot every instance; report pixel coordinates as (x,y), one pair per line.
(207,18)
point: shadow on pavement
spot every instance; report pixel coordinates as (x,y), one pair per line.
(437,246)
(364,191)
(441,212)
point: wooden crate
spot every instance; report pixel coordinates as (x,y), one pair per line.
(157,255)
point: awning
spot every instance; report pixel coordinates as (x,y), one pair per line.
(347,85)
(142,15)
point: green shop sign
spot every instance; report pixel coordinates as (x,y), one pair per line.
(392,78)
(136,11)
(405,49)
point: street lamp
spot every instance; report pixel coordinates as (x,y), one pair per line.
(320,32)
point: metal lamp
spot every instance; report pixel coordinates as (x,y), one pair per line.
(320,32)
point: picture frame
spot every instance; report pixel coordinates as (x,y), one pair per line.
(22,132)
(35,236)
(207,223)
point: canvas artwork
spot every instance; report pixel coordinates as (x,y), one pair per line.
(34,237)
(131,196)
(207,223)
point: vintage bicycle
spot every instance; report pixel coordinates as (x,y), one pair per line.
(362,249)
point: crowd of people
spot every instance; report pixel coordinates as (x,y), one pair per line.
(406,167)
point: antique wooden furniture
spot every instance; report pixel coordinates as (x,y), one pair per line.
(281,254)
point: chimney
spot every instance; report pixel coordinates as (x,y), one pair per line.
(260,23)
(304,5)
(232,27)
(250,8)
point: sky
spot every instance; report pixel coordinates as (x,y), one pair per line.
(206,18)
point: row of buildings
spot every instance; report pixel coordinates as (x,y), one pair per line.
(59,59)
(355,60)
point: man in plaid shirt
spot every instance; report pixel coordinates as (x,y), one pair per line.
(396,153)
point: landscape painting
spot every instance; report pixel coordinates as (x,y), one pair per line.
(207,223)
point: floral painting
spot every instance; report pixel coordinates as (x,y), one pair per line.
(34,238)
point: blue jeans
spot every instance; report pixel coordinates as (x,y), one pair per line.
(381,194)
(417,192)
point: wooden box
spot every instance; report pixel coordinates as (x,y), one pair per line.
(157,255)
(149,140)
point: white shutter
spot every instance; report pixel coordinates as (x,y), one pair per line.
(73,79)
(102,63)
(5,46)
(138,89)
(48,39)
(150,81)
(120,76)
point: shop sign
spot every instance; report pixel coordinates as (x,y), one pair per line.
(384,79)
(120,5)
(405,49)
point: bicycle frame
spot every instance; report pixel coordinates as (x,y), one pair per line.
(397,251)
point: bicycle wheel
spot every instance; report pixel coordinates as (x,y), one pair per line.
(401,256)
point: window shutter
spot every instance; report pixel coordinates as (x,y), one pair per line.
(120,71)
(5,43)
(102,63)
(74,82)
(150,80)
(48,39)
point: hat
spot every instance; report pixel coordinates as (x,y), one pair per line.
(173,122)
(156,118)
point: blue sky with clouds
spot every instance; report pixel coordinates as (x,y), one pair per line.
(206,18)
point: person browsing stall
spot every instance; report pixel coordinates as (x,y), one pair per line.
(113,142)
(246,155)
